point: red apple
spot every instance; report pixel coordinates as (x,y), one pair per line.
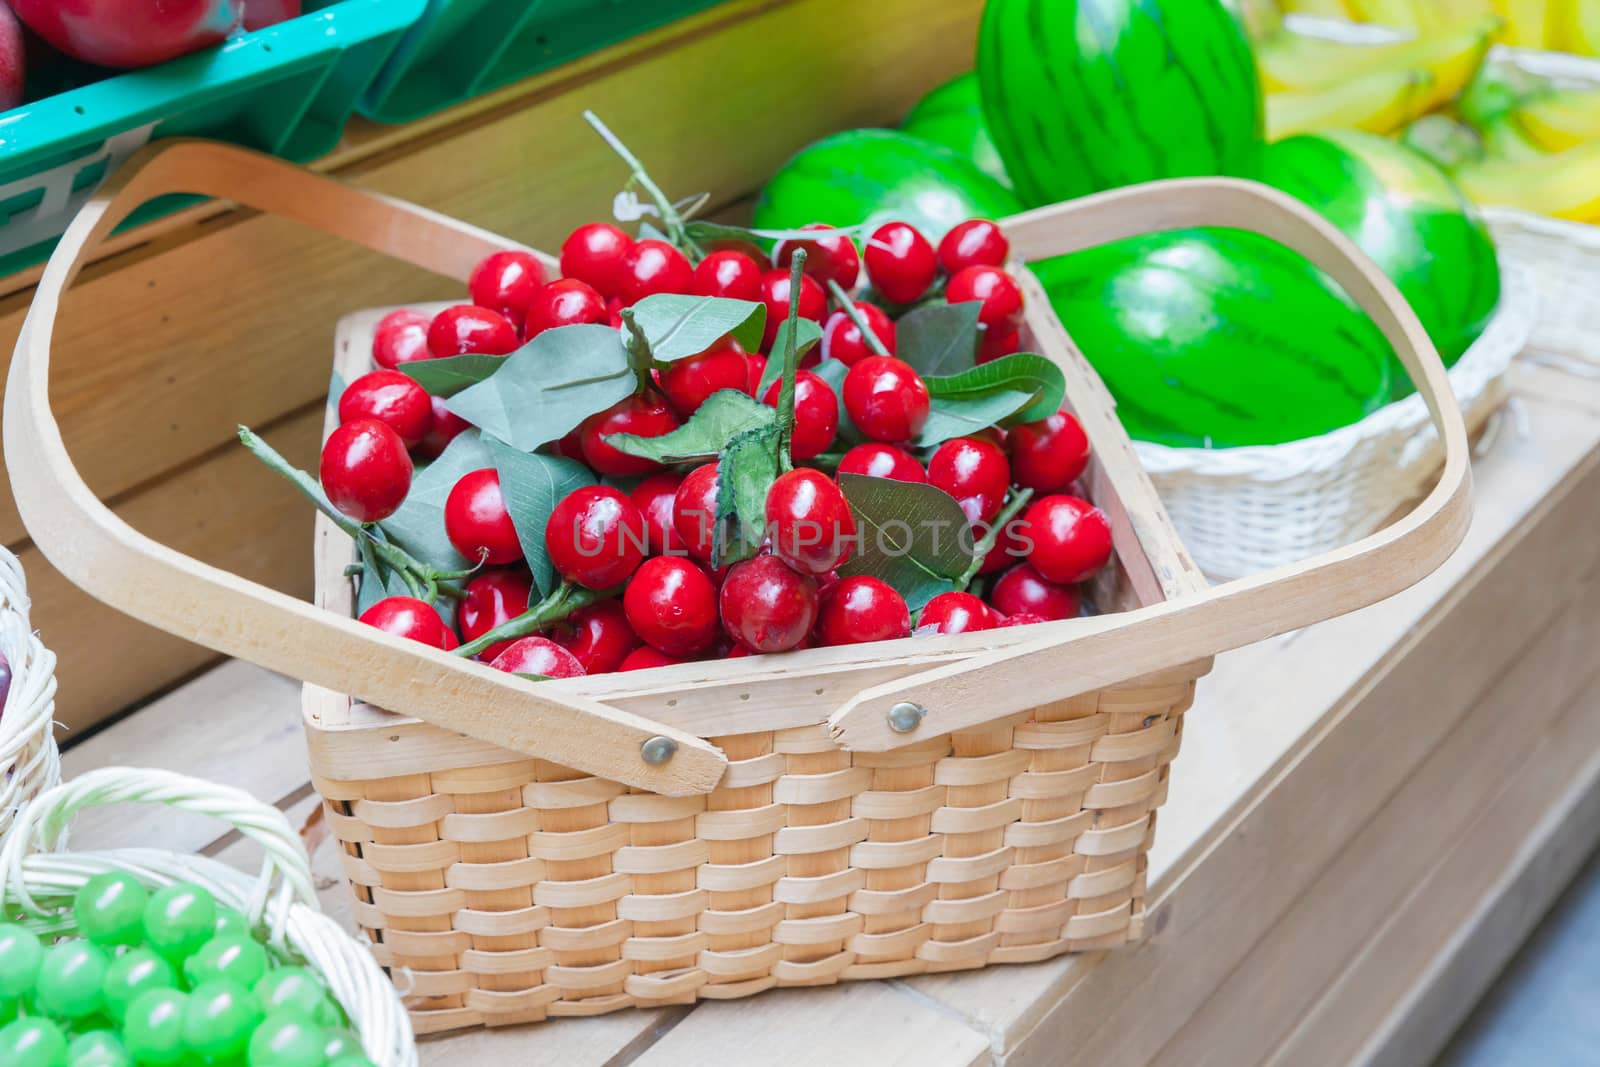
(12,63)
(130,33)
(260,13)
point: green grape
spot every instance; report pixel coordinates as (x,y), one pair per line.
(339,1042)
(136,971)
(179,919)
(153,1030)
(232,956)
(97,1048)
(299,990)
(70,978)
(219,1018)
(110,909)
(33,1043)
(20,956)
(286,1039)
(231,921)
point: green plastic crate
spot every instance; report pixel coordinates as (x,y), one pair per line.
(460,48)
(288,89)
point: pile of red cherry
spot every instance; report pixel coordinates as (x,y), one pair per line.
(652,536)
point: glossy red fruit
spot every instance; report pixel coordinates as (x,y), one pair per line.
(365,470)
(1047,456)
(729,274)
(477,522)
(757,365)
(401,336)
(861,609)
(994,288)
(827,258)
(1071,537)
(900,262)
(595,537)
(842,339)
(564,302)
(767,605)
(259,14)
(1008,549)
(688,382)
(775,294)
(957,613)
(974,243)
(973,471)
(130,33)
(645,657)
(886,399)
(492,599)
(809,521)
(1026,618)
(538,655)
(406,616)
(505,282)
(672,606)
(694,510)
(652,267)
(594,254)
(816,414)
(643,414)
(393,399)
(883,461)
(654,497)
(1023,590)
(465,328)
(996,343)
(446,426)
(599,636)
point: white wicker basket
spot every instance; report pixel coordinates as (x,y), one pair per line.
(29,762)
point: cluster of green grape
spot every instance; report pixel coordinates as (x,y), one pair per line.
(163,979)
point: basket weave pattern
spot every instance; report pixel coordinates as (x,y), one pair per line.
(29,761)
(506,893)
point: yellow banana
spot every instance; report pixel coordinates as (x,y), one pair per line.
(1333,9)
(1566,185)
(1292,61)
(1575,26)
(1405,14)
(1527,22)
(1562,119)
(1380,102)
(1505,141)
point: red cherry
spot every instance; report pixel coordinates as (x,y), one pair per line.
(1026,618)
(651,267)
(1023,590)
(998,291)
(729,274)
(957,613)
(694,511)
(505,282)
(757,365)
(538,655)
(672,606)
(767,605)
(654,497)
(886,399)
(1007,550)
(458,330)
(406,616)
(996,343)
(599,636)
(365,470)
(1047,456)
(570,446)
(493,599)
(564,302)
(614,312)
(645,415)
(816,414)
(973,471)
(1071,537)
(594,254)
(688,382)
(883,461)
(595,537)
(446,426)
(809,521)
(842,340)
(401,336)
(900,262)
(393,399)
(775,294)
(976,242)
(827,258)
(645,657)
(861,609)
(477,522)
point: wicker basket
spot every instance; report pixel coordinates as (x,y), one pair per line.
(29,760)
(920,805)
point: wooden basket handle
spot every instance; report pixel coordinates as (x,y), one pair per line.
(100,553)
(1080,655)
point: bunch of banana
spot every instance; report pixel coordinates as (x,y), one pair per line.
(1420,15)
(1561,25)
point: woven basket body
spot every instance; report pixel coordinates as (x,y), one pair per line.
(29,761)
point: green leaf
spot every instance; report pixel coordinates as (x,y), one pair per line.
(745,472)
(418,527)
(833,371)
(1022,372)
(726,414)
(549,385)
(939,338)
(448,376)
(914,537)
(531,486)
(650,232)
(967,413)
(676,327)
(807,335)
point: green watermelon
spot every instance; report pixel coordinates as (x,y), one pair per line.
(1218,338)
(875,176)
(1409,217)
(1085,95)
(952,115)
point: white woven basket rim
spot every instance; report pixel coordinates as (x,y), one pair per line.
(29,760)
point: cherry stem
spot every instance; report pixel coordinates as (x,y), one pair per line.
(848,306)
(985,545)
(639,353)
(670,215)
(566,599)
(791,361)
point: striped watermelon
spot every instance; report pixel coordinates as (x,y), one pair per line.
(952,115)
(1085,95)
